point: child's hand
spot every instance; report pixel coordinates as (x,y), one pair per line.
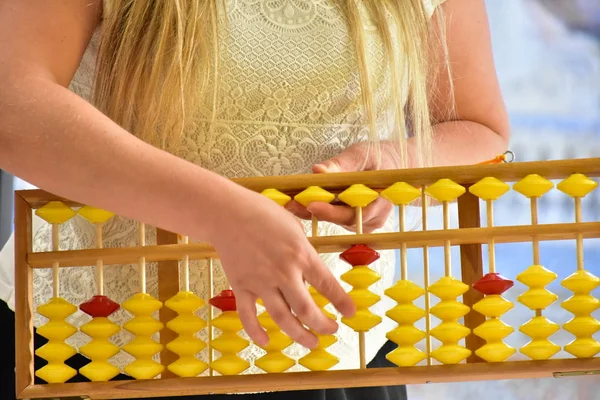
(354,158)
(266,255)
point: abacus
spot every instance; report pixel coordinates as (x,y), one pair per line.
(464,336)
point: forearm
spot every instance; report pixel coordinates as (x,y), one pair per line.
(57,141)
(464,143)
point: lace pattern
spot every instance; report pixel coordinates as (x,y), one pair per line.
(289,98)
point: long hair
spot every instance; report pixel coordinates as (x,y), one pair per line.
(156,57)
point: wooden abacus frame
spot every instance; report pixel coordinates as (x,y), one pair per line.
(470,236)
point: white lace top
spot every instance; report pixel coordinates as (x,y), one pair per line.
(289,92)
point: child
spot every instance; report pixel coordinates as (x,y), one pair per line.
(185,94)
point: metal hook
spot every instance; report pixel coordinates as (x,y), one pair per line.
(509,156)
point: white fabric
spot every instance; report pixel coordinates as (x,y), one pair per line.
(289,99)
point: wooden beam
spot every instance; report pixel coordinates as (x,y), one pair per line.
(155,388)
(168,286)
(379,180)
(471,266)
(327,244)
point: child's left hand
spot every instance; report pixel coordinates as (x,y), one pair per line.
(351,160)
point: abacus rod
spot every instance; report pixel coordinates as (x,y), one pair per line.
(186,267)
(210,316)
(426,277)
(361,335)
(491,243)
(99,263)
(402,228)
(579,239)
(315,226)
(447,254)
(142,261)
(534,222)
(55,265)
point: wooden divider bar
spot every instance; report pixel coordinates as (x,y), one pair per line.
(327,244)
(155,388)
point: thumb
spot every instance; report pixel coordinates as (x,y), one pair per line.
(329,166)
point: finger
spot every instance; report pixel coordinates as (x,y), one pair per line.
(246,307)
(325,283)
(298,297)
(298,210)
(340,215)
(280,311)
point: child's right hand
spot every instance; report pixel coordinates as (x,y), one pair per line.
(266,255)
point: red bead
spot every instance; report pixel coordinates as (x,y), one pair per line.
(225,301)
(99,306)
(359,254)
(493,283)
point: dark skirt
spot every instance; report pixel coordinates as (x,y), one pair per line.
(7,375)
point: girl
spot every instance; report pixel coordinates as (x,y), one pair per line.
(169,98)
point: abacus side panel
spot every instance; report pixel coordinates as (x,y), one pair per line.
(24,370)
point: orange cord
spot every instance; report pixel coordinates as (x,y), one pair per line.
(503,158)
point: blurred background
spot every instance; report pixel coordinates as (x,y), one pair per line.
(547,54)
(548,59)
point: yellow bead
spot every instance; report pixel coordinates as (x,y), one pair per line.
(539,329)
(401,193)
(583,326)
(533,185)
(581,282)
(95,215)
(448,288)
(493,306)
(187,367)
(406,314)
(142,304)
(56,373)
(495,352)
(277,341)
(489,188)
(56,330)
(577,185)
(184,302)
(449,331)
(360,277)
(450,354)
(406,356)
(230,365)
(186,345)
(99,350)
(275,362)
(314,194)
(537,297)
(445,190)
(583,348)
(55,212)
(55,352)
(142,346)
(406,335)
(228,321)
(363,298)
(362,321)
(144,369)
(57,308)
(493,330)
(404,291)
(229,342)
(358,196)
(318,360)
(278,197)
(99,371)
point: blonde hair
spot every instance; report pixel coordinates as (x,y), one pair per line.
(156,58)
